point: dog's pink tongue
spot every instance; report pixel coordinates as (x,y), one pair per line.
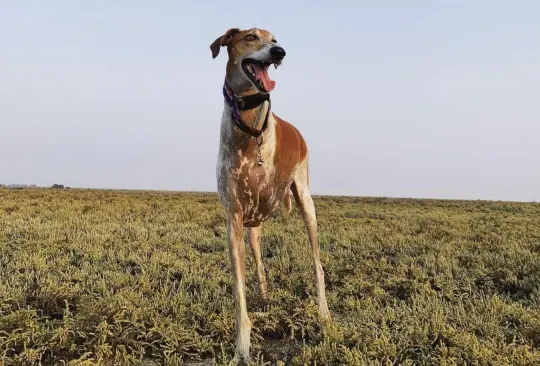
(262,74)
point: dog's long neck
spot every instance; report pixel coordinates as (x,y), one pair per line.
(242,123)
(254,118)
(236,145)
(238,140)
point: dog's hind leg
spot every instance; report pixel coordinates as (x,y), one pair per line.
(255,244)
(307,208)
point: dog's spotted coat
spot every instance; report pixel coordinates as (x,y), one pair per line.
(250,193)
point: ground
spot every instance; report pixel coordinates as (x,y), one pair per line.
(93,277)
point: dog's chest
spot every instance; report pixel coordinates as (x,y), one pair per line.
(249,188)
(257,192)
(243,185)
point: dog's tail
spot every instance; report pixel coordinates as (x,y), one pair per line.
(287,202)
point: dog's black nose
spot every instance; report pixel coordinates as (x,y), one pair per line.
(277,53)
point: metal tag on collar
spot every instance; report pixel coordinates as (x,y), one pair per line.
(259,142)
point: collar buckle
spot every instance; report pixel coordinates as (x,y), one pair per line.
(239,101)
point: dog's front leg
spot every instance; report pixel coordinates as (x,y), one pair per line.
(235,235)
(255,244)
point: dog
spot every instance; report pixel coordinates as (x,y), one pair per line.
(261,160)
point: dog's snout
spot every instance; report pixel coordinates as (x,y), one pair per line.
(277,53)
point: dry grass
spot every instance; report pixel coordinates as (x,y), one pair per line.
(104,277)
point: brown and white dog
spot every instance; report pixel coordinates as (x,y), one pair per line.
(261,160)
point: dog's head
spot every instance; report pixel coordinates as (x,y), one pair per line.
(251,52)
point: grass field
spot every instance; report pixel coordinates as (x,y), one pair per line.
(108,277)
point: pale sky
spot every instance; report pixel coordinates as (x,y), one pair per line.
(425,98)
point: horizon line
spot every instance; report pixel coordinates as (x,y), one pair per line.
(28,186)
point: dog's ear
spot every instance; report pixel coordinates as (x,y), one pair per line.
(222,41)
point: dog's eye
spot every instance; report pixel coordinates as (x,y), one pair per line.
(250,37)
(274,40)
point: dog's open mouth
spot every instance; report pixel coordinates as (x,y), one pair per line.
(257,71)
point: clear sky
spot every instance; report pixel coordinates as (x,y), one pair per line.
(394,98)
